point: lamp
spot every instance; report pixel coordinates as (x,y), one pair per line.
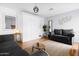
(18,36)
(17,31)
(36,9)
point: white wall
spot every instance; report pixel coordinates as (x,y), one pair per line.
(32,26)
(10,12)
(1,21)
(69,20)
(29,25)
(19,21)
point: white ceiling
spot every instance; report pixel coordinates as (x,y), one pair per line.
(58,8)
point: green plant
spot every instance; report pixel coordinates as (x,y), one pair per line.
(44,28)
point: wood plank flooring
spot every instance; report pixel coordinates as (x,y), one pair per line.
(52,48)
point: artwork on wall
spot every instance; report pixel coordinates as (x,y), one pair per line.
(10,22)
(64,19)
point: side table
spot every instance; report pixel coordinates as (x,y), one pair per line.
(74,50)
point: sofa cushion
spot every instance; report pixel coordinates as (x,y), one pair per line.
(62,39)
(1,39)
(58,31)
(8,37)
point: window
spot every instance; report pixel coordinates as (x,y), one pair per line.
(50,25)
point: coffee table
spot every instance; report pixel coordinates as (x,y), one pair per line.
(38,46)
(40,50)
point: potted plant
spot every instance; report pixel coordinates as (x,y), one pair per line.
(44,28)
(45,34)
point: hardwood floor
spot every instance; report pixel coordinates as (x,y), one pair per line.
(30,43)
(52,48)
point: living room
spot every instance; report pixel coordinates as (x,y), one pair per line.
(47,28)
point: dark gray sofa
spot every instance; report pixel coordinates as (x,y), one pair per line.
(8,47)
(62,35)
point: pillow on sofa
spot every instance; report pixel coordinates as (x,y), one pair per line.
(58,31)
(68,32)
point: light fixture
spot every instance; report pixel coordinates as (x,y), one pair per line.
(51,9)
(36,9)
